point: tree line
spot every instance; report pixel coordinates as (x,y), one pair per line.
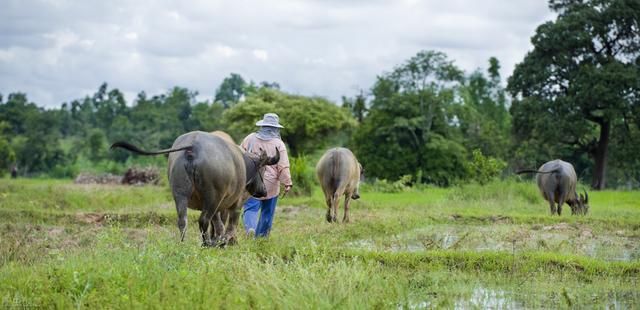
(574,96)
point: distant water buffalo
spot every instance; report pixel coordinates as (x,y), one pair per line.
(557,183)
(210,174)
(339,173)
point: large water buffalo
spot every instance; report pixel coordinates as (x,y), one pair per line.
(557,183)
(210,174)
(339,173)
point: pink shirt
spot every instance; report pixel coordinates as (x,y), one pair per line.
(275,174)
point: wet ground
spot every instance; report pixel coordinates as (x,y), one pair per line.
(575,239)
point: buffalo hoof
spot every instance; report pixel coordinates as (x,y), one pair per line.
(355,196)
(221,242)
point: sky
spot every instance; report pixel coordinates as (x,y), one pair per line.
(56,51)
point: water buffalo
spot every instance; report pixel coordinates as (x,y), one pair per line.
(339,173)
(557,183)
(210,174)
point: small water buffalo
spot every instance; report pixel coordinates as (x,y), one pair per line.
(339,173)
(557,183)
(211,174)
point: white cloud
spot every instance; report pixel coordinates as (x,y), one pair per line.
(225,51)
(131,36)
(56,51)
(260,54)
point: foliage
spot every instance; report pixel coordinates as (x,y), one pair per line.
(231,90)
(384,186)
(7,156)
(484,169)
(96,145)
(482,115)
(308,122)
(579,82)
(408,126)
(302,175)
(357,106)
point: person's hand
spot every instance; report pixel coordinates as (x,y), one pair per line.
(287,188)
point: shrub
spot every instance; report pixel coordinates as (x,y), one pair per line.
(384,186)
(484,169)
(302,176)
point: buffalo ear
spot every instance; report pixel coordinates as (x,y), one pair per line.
(273,160)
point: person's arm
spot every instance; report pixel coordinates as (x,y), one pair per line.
(284,173)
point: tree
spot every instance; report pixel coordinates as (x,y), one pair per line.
(38,150)
(15,112)
(231,90)
(310,122)
(408,128)
(482,115)
(7,155)
(580,80)
(208,116)
(96,145)
(357,105)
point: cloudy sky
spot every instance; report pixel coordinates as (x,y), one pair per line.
(59,50)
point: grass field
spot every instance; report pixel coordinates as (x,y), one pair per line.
(494,246)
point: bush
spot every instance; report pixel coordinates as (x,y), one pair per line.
(384,186)
(7,156)
(302,176)
(484,169)
(64,171)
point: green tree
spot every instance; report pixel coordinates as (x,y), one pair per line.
(96,145)
(15,112)
(408,129)
(357,105)
(309,122)
(7,155)
(39,150)
(231,90)
(581,79)
(208,117)
(482,115)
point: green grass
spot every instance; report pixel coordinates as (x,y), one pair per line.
(64,245)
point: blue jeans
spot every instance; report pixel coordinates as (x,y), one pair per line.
(267,209)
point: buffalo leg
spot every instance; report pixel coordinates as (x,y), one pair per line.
(335,201)
(561,200)
(559,209)
(552,204)
(181,207)
(329,208)
(347,201)
(230,231)
(219,216)
(205,218)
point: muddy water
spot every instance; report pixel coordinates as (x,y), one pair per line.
(558,238)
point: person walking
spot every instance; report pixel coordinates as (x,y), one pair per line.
(258,214)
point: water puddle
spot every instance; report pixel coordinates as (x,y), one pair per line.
(480,298)
(493,298)
(558,238)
